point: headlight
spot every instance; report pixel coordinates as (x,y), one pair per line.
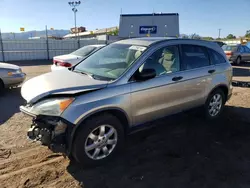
(52,107)
(10,73)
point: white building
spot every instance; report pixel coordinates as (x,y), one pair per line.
(155,25)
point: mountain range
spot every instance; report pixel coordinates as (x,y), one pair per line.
(28,34)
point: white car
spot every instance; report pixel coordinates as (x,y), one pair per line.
(68,60)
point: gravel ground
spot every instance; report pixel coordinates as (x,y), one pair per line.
(182,151)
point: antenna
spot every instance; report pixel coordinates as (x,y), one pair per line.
(121,10)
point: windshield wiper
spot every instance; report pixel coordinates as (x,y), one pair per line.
(85,73)
(93,76)
(89,75)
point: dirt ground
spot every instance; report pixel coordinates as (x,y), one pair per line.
(182,151)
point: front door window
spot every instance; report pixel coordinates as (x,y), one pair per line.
(163,61)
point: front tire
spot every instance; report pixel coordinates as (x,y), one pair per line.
(215,104)
(98,140)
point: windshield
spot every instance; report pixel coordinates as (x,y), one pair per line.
(84,51)
(229,48)
(111,61)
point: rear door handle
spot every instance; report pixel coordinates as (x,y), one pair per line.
(177,78)
(211,71)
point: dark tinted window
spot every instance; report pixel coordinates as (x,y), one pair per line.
(194,56)
(215,57)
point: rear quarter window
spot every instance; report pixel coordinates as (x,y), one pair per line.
(215,57)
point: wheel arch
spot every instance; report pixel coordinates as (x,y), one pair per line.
(223,87)
(120,114)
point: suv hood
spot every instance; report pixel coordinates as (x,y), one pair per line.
(59,82)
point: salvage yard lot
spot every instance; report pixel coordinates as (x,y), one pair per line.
(182,151)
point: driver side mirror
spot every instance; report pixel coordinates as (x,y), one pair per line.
(145,74)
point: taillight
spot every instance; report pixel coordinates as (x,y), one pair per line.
(54,61)
(229,53)
(64,64)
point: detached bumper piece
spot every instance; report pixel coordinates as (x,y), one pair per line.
(240,84)
(51,132)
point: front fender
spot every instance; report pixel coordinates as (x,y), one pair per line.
(88,104)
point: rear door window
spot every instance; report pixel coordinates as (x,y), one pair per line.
(194,57)
(215,57)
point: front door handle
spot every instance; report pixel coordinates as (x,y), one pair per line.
(177,78)
(211,71)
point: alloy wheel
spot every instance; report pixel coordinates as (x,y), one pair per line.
(101,142)
(215,105)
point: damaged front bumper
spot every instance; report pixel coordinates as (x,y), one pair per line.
(51,131)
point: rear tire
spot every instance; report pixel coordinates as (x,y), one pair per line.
(215,104)
(93,144)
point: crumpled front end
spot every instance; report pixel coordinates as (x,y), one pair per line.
(51,131)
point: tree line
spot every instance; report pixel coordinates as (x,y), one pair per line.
(193,36)
(229,36)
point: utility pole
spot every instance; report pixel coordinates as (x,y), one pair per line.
(47,41)
(74,4)
(1,43)
(219,33)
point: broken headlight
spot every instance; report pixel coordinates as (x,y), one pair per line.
(51,107)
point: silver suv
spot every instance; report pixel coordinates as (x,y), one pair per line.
(87,110)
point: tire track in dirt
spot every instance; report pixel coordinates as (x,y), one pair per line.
(36,175)
(25,160)
(25,152)
(35,166)
(32,167)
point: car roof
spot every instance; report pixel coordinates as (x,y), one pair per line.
(144,41)
(147,41)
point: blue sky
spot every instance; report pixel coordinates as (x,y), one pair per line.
(203,17)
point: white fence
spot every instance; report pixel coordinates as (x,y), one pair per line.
(15,50)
